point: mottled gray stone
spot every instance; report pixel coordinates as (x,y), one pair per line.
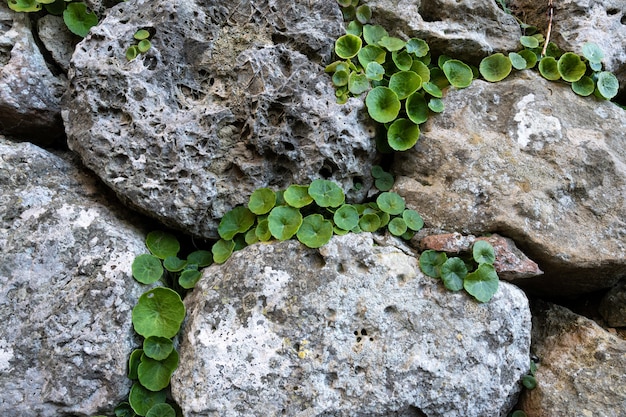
(30,93)
(532,161)
(582,369)
(57,39)
(613,306)
(351,329)
(66,292)
(231,97)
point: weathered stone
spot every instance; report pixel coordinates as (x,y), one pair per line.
(65,291)
(57,39)
(531,160)
(511,264)
(577,22)
(30,93)
(613,306)
(353,328)
(463,29)
(231,97)
(582,370)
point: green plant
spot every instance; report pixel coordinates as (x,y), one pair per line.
(142,45)
(475,274)
(77,17)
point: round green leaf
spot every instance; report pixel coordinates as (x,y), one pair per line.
(418,47)
(416,108)
(402,135)
(174,264)
(369,222)
(371,53)
(161,410)
(358,83)
(340,78)
(132,52)
(189,278)
(436,105)
(326,193)
(141,34)
(377,171)
(518,61)
(584,87)
(421,69)
(391,203)
(391,44)
(405,83)
(592,52)
(373,33)
(142,400)
(344,3)
(262,231)
(315,231)
(56,8)
(262,201)
(384,182)
(24,5)
(607,84)
(453,272)
(201,258)
(159,312)
(374,71)
(482,284)
(438,78)
(124,410)
(431,261)
(78,20)
(133,363)
(553,50)
(162,244)
(158,348)
(530,57)
(402,59)
(383,104)
(144,45)
(413,220)
(348,46)
(518,413)
(237,220)
(495,67)
(548,68)
(297,196)
(458,73)
(432,89)
(571,67)
(251,237)
(595,66)
(222,249)
(147,268)
(397,226)
(346,217)
(155,375)
(529,41)
(284,222)
(354,28)
(483,252)
(363,13)
(529,382)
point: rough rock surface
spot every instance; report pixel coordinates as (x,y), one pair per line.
(579,21)
(30,93)
(65,291)
(531,160)
(582,367)
(613,306)
(57,39)
(231,97)
(353,328)
(464,29)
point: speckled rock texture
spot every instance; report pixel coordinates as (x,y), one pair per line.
(532,161)
(30,92)
(231,97)
(581,372)
(613,306)
(65,288)
(351,329)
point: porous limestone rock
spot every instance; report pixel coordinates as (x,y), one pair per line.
(231,97)
(57,39)
(351,329)
(532,161)
(66,293)
(464,29)
(582,370)
(30,92)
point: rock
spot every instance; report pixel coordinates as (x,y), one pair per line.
(57,39)
(582,367)
(30,93)
(511,264)
(613,306)
(463,29)
(353,328)
(231,97)
(577,22)
(65,290)
(530,160)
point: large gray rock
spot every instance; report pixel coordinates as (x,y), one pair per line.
(582,368)
(464,29)
(231,97)
(351,329)
(65,290)
(30,92)
(530,160)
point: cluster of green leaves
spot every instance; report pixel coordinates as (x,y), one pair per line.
(142,45)
(529,382)
(76,15)
(475,273)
